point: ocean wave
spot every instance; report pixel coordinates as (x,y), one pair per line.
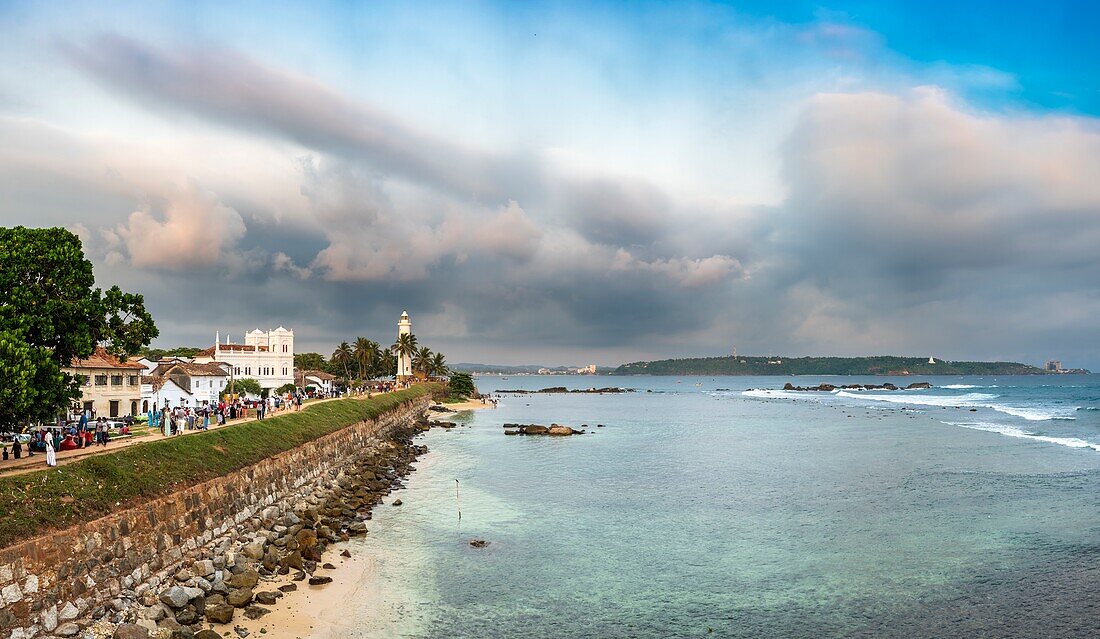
(1013,431)
(969,399)
(1035,413)
(771,393)
(966,386)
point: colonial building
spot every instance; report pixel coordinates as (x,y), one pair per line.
(158,392)
(404,362)
(267,357)
(110,387)
(204,382)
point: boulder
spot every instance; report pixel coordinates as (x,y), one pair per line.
(254,550)
(239,597)
(244,579)
(535,429)
(255,612)
(187,616)
(220,613)
(306,538)
(319,580)
(175,597)
(207,634)
(478,543)
(397,502)
(68,629)
(561,430)
(288,587)
(265,597)
(130,631)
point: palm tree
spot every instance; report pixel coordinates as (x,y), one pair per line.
(422,361)
(375,365)
(343,356)
(363,355)
(387,363)
(405,346)
(438,366)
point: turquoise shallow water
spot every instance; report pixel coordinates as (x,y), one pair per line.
(697,511)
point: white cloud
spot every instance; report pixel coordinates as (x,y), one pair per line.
(192,231)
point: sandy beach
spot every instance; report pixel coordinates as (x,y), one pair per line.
(309,610)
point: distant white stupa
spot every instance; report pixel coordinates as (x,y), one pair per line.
(931,360)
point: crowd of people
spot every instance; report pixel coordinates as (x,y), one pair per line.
(85,429)
(67,434)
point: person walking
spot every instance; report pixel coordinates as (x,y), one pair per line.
(51,454)
(17,448)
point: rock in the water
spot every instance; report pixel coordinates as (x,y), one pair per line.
(478,543)
(535,429)
(318,580)
(397,502)
(131,631)
(345,553)
(561,430)
(220,613)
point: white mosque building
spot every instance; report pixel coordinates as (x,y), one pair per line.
(267,357)
(404,362)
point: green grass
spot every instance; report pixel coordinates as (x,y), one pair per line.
(34,503)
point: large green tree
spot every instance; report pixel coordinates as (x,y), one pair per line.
(50,314)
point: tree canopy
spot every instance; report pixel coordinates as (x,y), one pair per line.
(50,314)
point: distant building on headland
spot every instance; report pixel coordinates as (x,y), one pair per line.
(267,357)
(1053,365)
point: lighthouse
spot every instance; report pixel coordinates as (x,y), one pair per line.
(404,362)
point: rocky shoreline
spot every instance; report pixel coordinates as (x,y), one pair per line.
(280,545)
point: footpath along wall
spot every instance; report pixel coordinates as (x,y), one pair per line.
(56,584)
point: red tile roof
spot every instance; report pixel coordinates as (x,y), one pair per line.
(102,359)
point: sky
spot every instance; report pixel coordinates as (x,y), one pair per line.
(574,183)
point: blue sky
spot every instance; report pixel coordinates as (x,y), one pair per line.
(565,182)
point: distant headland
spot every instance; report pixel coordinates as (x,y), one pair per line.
(874,365)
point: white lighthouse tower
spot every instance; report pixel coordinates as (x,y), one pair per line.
(404,362)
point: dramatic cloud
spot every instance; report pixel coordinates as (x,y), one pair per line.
(196,231)
(910,221)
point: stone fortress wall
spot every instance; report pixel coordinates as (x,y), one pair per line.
(55,584)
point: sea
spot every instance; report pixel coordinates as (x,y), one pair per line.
(727,507)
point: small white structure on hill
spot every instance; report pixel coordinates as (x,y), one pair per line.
(931,360)
(404,362)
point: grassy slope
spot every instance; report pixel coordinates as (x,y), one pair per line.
(32,503)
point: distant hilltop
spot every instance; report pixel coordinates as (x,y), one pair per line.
(879,365)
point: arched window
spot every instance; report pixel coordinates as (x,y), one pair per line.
(145,406)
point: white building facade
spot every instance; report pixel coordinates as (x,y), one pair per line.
(267,357)
(404,362)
